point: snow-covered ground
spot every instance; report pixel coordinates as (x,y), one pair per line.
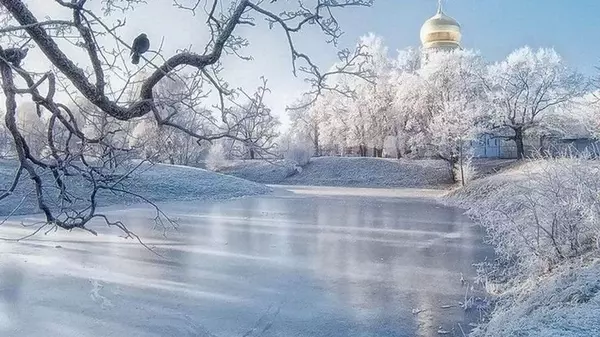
(349,172)
(541,294)
(261,171)
(157,183)
(488,166)
(478,191)
(563,303)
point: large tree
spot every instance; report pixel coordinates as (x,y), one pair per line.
(406,86)
(454,102)
(88,58)
(527,88)
(359,115)
(305,123)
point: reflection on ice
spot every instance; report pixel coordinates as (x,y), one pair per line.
(11,288)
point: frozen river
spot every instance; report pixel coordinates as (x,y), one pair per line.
(320,262)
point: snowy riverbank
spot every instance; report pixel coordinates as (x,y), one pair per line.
(542,218)
(261,171)
(348,172)
(157,183)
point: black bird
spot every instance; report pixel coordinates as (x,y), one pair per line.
(15,55)
(141,44)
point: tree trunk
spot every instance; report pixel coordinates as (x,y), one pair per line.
(542,149)
(519,143)
(462,173)
(186,154)
(452,173)
(453,166)
(362,149)
(251,153)
(316,143)
(398,153)
(452,161)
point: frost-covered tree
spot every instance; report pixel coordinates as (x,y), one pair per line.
(32,124)
(6,146)
(586,112)
(455,101)
(368,112)
(528,87)
(408,60)
(578,119)
(116,134)
(169,145)
(254,125)
(409,117)
(323,122)
(407,107)
(341,129)
(375,97)
(294,149)
(184,108)
(363,117)
(306,122)
(216,157)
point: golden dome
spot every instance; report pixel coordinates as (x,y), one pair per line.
(441,31)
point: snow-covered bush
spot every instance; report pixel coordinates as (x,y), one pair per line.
(216,160)
(562,303)
(543,219)
(299,153)
(549,215)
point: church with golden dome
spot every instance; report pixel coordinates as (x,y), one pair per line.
(440,32)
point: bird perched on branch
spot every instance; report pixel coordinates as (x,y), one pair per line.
(141,44)
(15,55)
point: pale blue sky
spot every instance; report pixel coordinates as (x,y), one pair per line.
(495,27)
